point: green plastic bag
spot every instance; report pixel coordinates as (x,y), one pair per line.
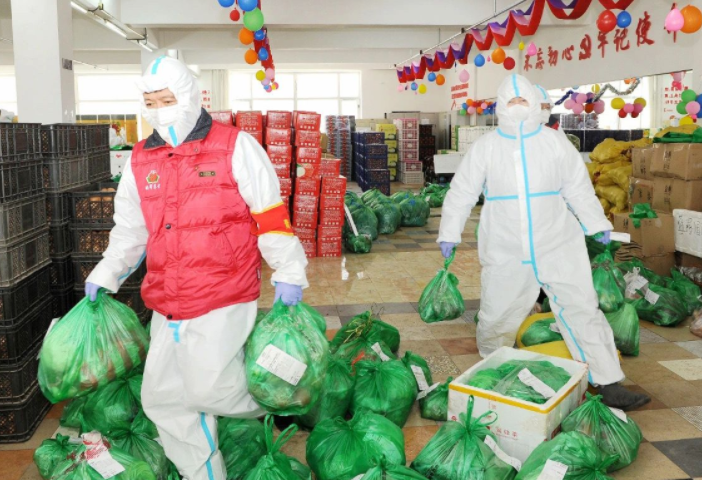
(458,451)
(640,212)
(93,344)
(363,349)
(669,308)
(485,379)
(419,368)
(546,306)
(274,465)
(336,397)
(369,326)
(51,452)
(300,470)
(434,404)
(385,388)
(441,299)
(138,441)
(370,196)
(415,212)
(287,332)
(72,416)
(650,275)
(114,406)
(78,469)
(595,248)
(578,452)
(608,284)
(434,195)
(358,244)
(242,443)
(540,332)
(387,471)
(625,325)
(341,450)
(614,433)
(308,313)
(365,220)
(688,290)
(401,196)
(389,217)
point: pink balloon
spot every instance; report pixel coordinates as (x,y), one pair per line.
(569,104)
(483,105)
(599,107)
(674,21)
(400,88)
(581,98)
(678,76)
(578,108)
(464,76)
(270,73)
(693,108)
(471,110)
(266,82)
(531,49)
(638,108)
(628,108)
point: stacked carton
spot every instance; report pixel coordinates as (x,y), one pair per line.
(277,137)
(331,210)
(390,131)
(411,171)
(252,123)
(340,129)
(371,161)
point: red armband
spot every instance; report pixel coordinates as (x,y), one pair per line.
(275,219)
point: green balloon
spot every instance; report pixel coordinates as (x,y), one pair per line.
(253,20)
(689,96)
(462,113)
(681,108)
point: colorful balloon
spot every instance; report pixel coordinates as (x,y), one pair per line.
(260,35)
(596,88)
(254,20)
(589,108)
(246,36)
(509,63)
(607,21)
(618,103)
(692,108)
(581,98)
(400,88)
(432,76)
(462,113)
(266,82)
(440,79)
(634,115)
(641,101)
(622,113)
(483,105)
(422,89)
(414,86)
(464,76)
(522,46)
(479,111)
(686,121)
(623,19)
(599,107)
(498,55)
(578,108)
(234,15)
(680,108)
(569,104)
(532,50)
(270,73)
(628,108)
(674,21)
(693,19)
(260,75)
(226,3)
(688,95)
(248,5)
(638,108)
(479,60)
(465,106)
(263,55)
(471,110)
(250,56)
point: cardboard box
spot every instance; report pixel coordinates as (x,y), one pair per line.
(258,136)
(334,185)
(305,138)
(640,191)
(324,142)
(278,136)
(312,170)
(331,167)
(656,236)
(621,222)
(305,219)
(280,152)
(333,217)
(226,118)
(331,202)
(285,187)
(279,119)
(641,161)
(329,247)
(520,426)
(307,121)
(307,186)
(310,247)
(304,233)
(661,264)
(329,231)
(305,203)
(672,193)
(687,260)
(678,160)
(688,232)
(308,154)
(282,170)
(250,121)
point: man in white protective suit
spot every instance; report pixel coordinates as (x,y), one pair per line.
(201,202)
(546,109)
(529,239)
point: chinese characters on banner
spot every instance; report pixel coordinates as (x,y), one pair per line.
(206,99)
(459,94)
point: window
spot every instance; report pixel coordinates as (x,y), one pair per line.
(8,93)
(111,94)
(327,93)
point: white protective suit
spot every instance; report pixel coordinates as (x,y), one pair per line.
(195,368)
(544,97)
(528,238)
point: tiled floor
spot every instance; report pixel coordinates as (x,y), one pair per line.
(390,280)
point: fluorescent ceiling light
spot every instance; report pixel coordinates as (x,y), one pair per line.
(79,8)
(145,47)
(115,28)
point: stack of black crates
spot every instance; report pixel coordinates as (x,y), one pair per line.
(371,161)
(427,150)
(26,306)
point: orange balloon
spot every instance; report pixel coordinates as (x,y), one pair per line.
(469,102)
(499,55)
(480,109)
(693,19)
(251,57)
(589,108)
(440,80)
(246,36)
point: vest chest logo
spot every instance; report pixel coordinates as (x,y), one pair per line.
(152,180)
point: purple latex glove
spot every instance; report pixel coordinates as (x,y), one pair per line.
(291,295)
(446,248)
(91,291)
(605,238)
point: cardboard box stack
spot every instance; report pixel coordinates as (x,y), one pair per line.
(251,123)
(371,161)
(278,144)
(340,130)
(408,144)
(653,242)
(390,131)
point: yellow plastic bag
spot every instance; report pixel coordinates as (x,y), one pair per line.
(606,206)
(614,195)
(593,169)
(686,129)
(609,151)
(620,176)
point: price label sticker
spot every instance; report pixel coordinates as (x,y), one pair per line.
(103,463)
(376,348)
(553,471)
(620,237)
(619,414)
(499,453)
(426,392)
(281,364)
(652,297)
(420,377)
(530,380)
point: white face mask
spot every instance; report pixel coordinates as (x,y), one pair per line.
(518,113)
(544,116)
(165,116)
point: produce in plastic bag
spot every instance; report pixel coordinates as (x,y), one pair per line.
(275,465)
(620,176)
(365,220)
(434,195)
(93,344)
(612,430)
(368,326)
(419,368)
(595,248)
(688,290)
(389,216)
(78,468)
(401,196)
(309,314)
(336,397)
(641,211)
(541,332)
(72,416)
(415,212)
(242,443)
(441,299)
(650,275)
(577,452)
(340,450)
(301,471)
(614,195)
(358,244)
(485,379)
(625,325)
(385,470)
(608,284)
(288,343)
(664,307)
(138,440)
(385,388)
(459,451)
(51,452)
(433,403)
(114,406)
(364,349)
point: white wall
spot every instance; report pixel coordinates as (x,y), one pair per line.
(379,95)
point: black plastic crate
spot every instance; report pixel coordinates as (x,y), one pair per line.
(130,296)
(95,207)
(90,241)
(99,168)
(376,150)
(60,240)
(19,421)
(20,299)
(383,187)
(61,270)
(377,176)
(19,378)
(21,218)
(97,136)
(16,341)
(64,301)
(62,139)
(83,265)
(372,137)
(19,141)
(375,162)
(425,130)
(20,179)
(62,174)
(22,259)
(58,208)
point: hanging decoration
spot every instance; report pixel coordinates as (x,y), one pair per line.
(677,80)
(477,107)
(633,109)
(592,102)
(690,105)
(692,19)
(607,21)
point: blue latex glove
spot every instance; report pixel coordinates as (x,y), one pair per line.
(446,248)
(291,295)
(604,238)
(91,291)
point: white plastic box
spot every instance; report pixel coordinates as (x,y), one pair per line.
(688,232)
(521,426)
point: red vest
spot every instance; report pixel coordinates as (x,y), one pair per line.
(201,254)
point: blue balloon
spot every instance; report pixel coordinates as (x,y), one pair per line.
(432,76)
(227,3)
(699,99)
(465,106)
(623,19)
(245,5)
(260,35)
(479,60)
(414,86)
(263,55)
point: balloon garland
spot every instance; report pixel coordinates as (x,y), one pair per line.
(690,104)
(592,102)
(479,107)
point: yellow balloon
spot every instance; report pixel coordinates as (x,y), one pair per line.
(618,103)
(596,88)
(521,46)
(422,89)
(686,121)
(260,75)
(640,101)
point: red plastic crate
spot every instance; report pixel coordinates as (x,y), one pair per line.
(280,151)
(285,187)
(250,121)
(282,170)
(334,185)
(308,154)
(279,119)
(411,166)
(329,231)
(409,156)
(408,134)
(331,202)
(310,247)
(304,233)
(331,217)
(405,145)
(329,247)
(309,170)
(305,203)
(278,136)
(331,167)
(407,123)
(304,138)
(305,219)
(307,186)
(307,121)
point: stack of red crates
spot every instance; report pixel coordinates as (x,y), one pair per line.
(251,123)
(277,138)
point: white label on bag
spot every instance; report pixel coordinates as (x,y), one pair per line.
(358,477)
(376,348)
(281,364)
(420,377)
(554,328)
(499,453)
(426,392)
(652,297)
(553,471)
(620,414)
(530,380)
(620,237)
(103,463)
